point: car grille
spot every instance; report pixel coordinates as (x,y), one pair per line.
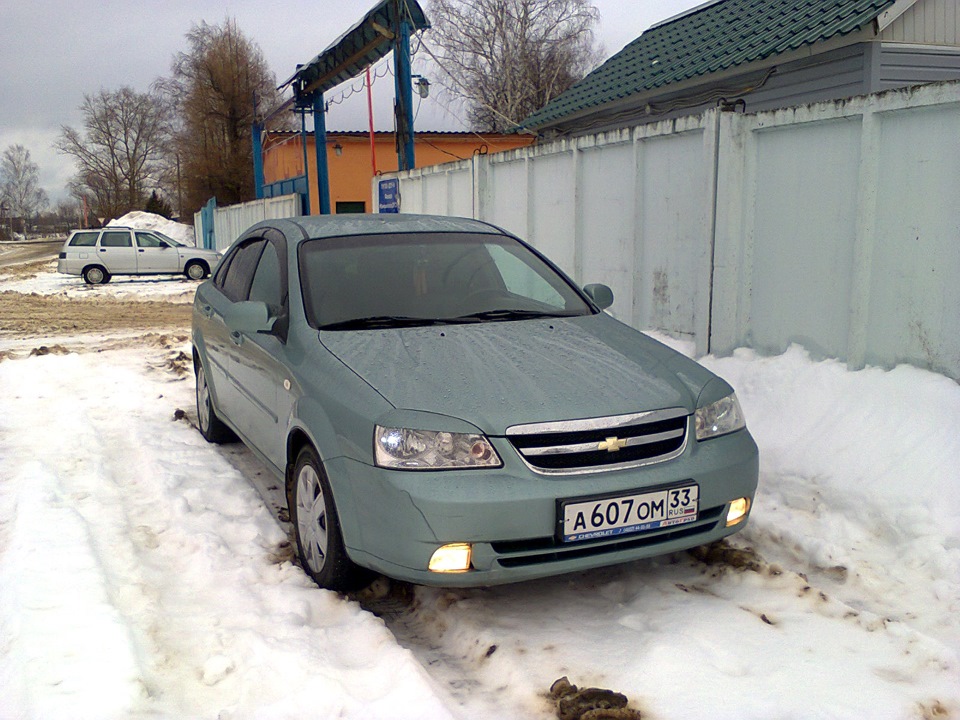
(595,444)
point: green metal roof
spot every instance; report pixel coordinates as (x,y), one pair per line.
(708,39)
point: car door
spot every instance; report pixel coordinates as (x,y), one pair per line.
(258,360)
(231,284)
(155,255)
(117,253)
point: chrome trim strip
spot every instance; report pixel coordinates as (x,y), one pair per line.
(593,469)
(592,446)
(602,423)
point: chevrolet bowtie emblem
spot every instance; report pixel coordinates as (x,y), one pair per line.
(612,444)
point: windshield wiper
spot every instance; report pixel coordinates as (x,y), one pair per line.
(381,321)
(514,314)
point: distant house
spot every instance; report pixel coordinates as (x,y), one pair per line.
(761,55)
(350,161)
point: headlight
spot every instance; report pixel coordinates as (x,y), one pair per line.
(430,450)
(720,418)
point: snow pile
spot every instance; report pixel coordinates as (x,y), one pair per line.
(149,221)
(854,610)
(141,575)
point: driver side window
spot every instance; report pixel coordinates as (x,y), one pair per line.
(266,286)
(239,274)
(148,240)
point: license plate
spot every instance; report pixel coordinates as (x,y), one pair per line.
(608,517)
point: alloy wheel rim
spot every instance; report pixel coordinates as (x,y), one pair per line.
(203,400)
(311,519)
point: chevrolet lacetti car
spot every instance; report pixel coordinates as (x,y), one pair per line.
(97,255)
(444,406)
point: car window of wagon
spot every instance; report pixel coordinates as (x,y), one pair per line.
(390,280)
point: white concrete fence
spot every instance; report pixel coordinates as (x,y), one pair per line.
(834,225)
(231,221)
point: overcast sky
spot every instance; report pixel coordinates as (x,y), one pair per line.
(52,52)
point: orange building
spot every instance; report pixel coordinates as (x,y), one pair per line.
(350,164)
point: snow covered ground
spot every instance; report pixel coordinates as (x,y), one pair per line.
(142,575)
(173,288)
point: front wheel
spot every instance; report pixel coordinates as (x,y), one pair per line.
(211,427)
(196,270)
(317,528)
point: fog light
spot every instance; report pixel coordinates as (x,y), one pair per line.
(451,558)
(738,511)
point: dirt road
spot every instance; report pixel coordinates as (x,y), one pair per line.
(28,252)
(41,315)
(27,315)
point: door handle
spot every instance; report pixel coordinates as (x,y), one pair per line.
(237,338)
(206,310)
(103,249)
(139,249)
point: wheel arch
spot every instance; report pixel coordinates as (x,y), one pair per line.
(198,360)
(298,438)
(100,266)
(197,261)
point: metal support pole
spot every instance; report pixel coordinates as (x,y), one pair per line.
(404,93)
(306,166)
(257,160)
(320,144)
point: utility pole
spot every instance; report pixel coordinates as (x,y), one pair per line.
(403,105)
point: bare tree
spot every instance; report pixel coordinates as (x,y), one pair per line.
(20,189)
(119,152)
(508,58)
(213,88)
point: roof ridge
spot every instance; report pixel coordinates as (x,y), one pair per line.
(716,36)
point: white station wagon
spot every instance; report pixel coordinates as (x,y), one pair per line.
(99,254)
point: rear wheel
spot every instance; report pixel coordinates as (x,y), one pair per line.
(317,528)
(95,275)
(211,427)
(196,270)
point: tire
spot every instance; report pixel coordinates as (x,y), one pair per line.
(211,427)
(95,275)
(196,270)
(317,528)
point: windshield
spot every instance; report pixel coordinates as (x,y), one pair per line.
(427,279)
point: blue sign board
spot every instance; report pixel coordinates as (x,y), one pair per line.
(390,195)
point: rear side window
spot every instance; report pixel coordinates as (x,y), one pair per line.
(116,239)
(84,239)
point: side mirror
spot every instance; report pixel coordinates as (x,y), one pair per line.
(249,317)
(601,295)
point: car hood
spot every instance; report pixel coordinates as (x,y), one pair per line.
(499,374)
(191,252)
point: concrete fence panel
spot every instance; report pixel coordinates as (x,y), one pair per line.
(834,225)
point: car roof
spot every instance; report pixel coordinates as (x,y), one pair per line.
(108,227)
(322,226)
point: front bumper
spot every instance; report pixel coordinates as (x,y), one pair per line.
(394,520)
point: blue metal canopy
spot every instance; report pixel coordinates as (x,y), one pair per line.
(357,49)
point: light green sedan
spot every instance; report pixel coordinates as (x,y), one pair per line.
(444,406)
